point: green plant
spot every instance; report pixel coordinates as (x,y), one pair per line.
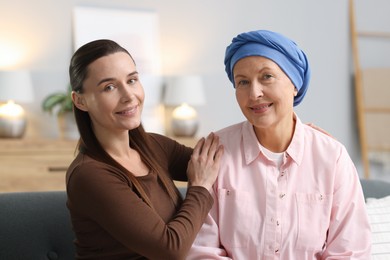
(62,100)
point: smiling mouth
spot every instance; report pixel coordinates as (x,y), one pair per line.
(262,107)
(129,111)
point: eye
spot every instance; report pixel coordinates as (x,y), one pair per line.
(242,83)
(132,81)
(267,76)
(109,87)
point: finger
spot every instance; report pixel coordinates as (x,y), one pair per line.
(215,143)
(219,154)
(213,147)
(198,147)
(206,145)
(209,140)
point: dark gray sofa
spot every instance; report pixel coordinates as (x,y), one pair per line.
(375,188)
(36,225)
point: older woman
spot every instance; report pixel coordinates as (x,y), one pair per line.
(285,190)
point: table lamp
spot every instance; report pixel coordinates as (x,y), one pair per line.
(15,86)
(182,93)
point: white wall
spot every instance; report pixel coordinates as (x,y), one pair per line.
(194,35)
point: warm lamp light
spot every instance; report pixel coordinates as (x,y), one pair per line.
(183,93)
(11,53)
(184,111)
(15,86)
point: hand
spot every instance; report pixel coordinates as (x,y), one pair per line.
(205,161)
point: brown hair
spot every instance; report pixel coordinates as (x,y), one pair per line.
(138,138)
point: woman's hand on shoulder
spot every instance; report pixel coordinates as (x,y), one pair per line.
(205,162)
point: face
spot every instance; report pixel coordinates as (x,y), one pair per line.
(112,94)
(264,92)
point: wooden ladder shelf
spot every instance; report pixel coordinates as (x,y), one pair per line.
(372,93)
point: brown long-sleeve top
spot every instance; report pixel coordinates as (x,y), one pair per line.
(111,221)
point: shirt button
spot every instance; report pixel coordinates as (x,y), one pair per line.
(276,248)
(282,195)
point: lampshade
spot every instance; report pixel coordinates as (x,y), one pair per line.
(183,92)
(16,85)
(184,89)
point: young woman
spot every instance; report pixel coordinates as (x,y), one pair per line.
(285,190)
(121,197)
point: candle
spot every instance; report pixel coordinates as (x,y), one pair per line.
(10,110)
(184,112)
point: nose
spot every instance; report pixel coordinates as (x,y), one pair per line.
(256,90)
(126,93)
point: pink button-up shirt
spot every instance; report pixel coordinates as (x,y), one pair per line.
(311,207)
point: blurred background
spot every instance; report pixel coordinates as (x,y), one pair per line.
(39,36)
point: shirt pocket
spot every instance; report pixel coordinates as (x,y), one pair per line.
(235,217)
(313,220)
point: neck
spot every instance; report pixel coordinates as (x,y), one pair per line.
(117,145)
(277,138)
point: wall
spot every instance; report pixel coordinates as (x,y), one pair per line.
(194,35)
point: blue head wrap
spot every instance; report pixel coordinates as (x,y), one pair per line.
(275,47)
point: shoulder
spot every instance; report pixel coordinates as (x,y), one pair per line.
(86,171)
(166,148)
(159,139)
(320,138)
(325,145)
(230,132)
(163,144)
(86,164)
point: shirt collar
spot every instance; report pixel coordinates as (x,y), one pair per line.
(250,142)
(296,147)
(252,147)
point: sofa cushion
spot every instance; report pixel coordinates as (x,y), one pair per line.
(375,188)
(378,211)
(35,225)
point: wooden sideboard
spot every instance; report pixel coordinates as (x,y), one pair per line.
(40,164)
(34,165)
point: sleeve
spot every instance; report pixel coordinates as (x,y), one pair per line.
(94,190)
(349,233)
(172,155)
(207,243)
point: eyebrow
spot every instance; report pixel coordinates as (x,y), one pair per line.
(261,70)
(110,79)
